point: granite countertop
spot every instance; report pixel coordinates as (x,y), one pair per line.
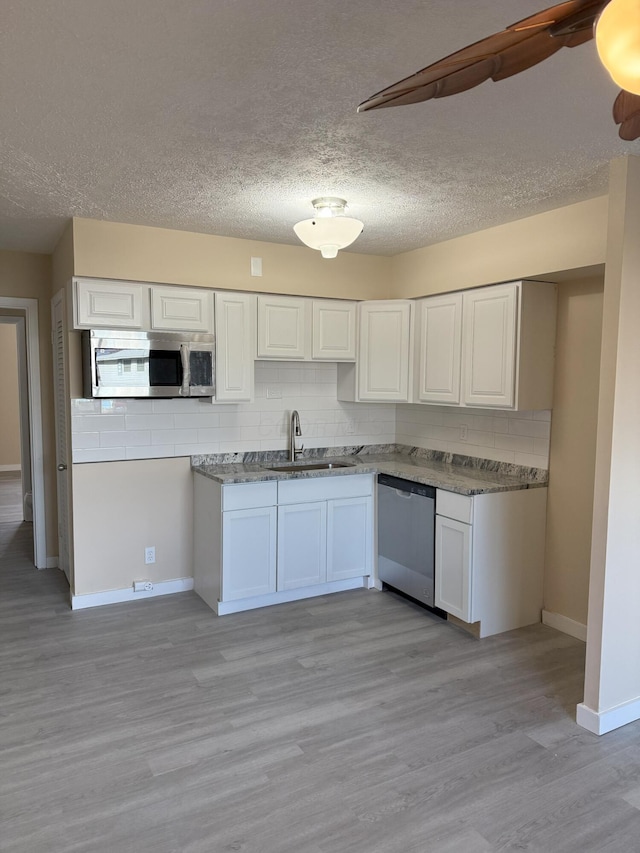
(466,475)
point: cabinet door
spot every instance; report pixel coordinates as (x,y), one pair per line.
(453,567)
(383,352)
(334,330)
(440,345)
(248,552)
(235,346)
(489,345)
(178,309)
(107,305)
(302,545)
(349,537)
(282,327)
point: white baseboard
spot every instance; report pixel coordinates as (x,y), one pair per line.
(225,607)
(601,722)
(10,468)
(564,624)
(117,596)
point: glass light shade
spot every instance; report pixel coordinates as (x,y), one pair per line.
(330,235)
(618,42)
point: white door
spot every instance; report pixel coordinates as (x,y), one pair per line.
(383,352)
(349,537)
(235,346)
(302,544)
(282,327)
(453,567)
(63,443)
(248,553)
(489,345)
(334,330)
(440,349)
(181,309)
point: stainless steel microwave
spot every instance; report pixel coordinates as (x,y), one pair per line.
(120,363)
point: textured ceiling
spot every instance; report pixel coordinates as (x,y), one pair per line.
(229,116)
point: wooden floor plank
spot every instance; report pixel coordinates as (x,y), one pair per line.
(354,723)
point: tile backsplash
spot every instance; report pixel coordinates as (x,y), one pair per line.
(108,430)
(518,437)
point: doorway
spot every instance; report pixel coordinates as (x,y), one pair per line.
(21,453)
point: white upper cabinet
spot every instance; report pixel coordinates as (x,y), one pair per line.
(490,317)
(108,304)
(439,342)
(179,309)
(508,345)
(235,324)
(383,369)
(333,330)
(284,327)
(491,347)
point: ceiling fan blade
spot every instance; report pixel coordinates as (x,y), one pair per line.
(526,54)
(507,50)
(626,113)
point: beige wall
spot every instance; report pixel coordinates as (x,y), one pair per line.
(28,276)
(572,449)
(119,509)
(140,253)
(568,238)
(9,397)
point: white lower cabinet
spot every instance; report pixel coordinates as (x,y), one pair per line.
(490,558)
(349,537)
(257,544)
(302,545)
(248,552)
(453,559)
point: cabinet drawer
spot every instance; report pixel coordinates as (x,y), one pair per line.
(324,488)
(248,495)
(452,505)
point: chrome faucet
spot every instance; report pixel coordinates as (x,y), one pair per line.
(294,430)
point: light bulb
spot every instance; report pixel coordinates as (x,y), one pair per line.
(618,42)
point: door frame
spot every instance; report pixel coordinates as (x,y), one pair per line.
(30,307)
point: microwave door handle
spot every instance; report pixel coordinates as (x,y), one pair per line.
(186,370)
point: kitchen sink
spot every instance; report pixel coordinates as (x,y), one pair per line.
(309,466)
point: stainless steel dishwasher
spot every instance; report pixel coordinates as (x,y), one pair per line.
(406,538)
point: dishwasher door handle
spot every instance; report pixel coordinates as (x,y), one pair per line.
(401,494)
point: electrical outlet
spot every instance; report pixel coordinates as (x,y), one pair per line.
(350,427)
(150,554)
(142,586)
(463,432)
(274,392)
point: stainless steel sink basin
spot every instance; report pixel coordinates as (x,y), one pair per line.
(309,466)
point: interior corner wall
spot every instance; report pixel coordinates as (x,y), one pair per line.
(567,238)
(10,408)
(140,253)
(24,275)
(572,448)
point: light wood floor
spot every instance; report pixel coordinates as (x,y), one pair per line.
(355,723)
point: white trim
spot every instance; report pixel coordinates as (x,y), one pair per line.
(30,307)
(601,722)
(564,624)
(116,596)
(10,468)
(50,563)
(225,607)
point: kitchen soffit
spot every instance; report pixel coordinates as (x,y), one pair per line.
(228,118)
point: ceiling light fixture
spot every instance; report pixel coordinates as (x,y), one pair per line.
(618,42)
(330,230)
